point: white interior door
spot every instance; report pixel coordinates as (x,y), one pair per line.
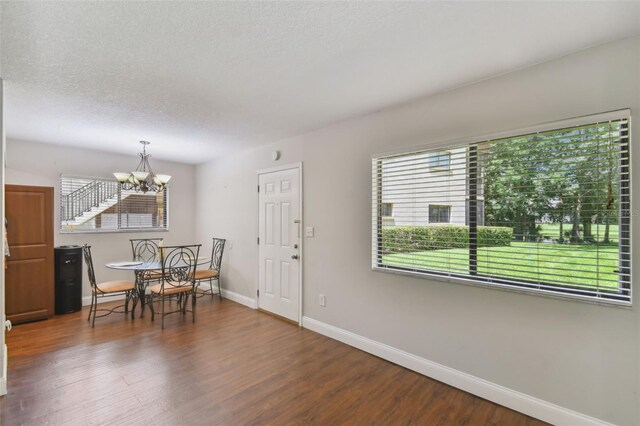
(279,243)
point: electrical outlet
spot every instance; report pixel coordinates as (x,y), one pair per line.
(308,231)
(323,300)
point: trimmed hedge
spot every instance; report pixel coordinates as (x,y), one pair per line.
(403,239)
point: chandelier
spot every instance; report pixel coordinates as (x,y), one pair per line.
(142,178)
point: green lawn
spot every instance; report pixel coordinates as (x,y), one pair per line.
(580,265)
(552,230)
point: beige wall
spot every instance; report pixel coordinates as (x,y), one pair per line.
(580,356)
(30,163)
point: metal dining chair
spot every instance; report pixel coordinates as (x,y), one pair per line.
(147,250)
(213,272)
(178,279)
(109,288)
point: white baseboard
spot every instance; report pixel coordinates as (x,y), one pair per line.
(239,298)
(3,379)
(515,400)
(227,294)
(236,297)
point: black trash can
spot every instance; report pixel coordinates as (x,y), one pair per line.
(68,279)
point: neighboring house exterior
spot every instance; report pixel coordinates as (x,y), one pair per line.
(408,194)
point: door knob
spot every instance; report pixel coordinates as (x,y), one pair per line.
(294,257)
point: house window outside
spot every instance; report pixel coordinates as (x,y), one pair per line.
(440,160)
(387,209)
(99,205)
(439,214)
(546,211)
(387,214)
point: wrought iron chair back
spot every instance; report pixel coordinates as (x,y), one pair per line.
(179,265)
(146,249)
(216,254)
(88,260)
(213,273)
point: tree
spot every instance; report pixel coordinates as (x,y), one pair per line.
(512,191)
(552,176)
(610,206)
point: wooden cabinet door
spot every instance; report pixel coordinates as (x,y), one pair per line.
(29,274)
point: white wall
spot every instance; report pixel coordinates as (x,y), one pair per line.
(30,163)
(580,356)
(3,348)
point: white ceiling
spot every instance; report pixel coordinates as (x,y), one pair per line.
(203,79)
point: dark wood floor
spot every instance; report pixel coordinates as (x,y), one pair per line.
(233,366)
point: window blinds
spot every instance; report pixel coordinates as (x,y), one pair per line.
(99,205)
(547,211)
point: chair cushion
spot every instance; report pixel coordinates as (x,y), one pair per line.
(171,287)
(115,286)
(206,274)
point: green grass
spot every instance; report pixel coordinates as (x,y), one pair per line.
(579,265)
(552,230)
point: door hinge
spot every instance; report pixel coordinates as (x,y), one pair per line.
(258,188)
(258,292)
(258,240)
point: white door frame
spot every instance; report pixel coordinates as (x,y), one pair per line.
(289,166)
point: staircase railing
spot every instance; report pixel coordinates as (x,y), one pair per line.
(87,197)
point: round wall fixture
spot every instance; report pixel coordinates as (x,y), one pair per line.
(275,155)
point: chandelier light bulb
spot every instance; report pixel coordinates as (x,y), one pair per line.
(140,176)
(164,179)
(122,177)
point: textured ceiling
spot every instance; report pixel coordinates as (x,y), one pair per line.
(203,79)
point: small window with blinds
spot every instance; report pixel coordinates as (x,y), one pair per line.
(100,205)
(547,211)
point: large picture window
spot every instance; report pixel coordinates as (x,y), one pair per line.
(99,205)
(545,211)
